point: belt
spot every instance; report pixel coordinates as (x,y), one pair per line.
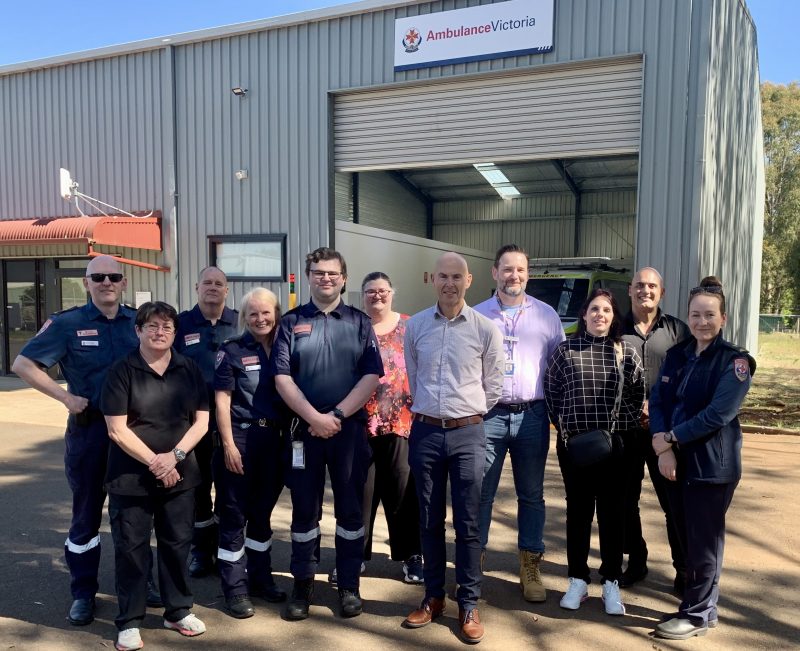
(449,423)
(257,422)
(516,407)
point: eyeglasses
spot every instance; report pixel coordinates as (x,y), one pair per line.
(372,293)
(99,278)
(154,328)
(712,289)
(319,275)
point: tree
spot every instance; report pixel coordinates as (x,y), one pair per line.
(780,271)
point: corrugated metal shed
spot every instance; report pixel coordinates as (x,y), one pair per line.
(155,124)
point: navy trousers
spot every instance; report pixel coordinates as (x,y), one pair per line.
(85,458)
(458,454)
(248,500)
(638,451)
(346,456)
(699,511)
(204,535)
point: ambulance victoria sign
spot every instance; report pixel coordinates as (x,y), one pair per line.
(473,34)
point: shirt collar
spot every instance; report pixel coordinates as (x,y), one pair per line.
(93,312)
(228,316)
(176,360)
(461,315)
(310,310)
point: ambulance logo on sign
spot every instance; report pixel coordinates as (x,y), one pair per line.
(412,40)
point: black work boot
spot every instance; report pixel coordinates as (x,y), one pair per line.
(350,602)
(298,605)
(268,590)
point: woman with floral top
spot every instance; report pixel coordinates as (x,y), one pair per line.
(388,426)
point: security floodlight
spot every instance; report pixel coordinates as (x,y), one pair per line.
(239,91)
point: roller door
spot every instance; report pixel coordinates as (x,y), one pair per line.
(587,109)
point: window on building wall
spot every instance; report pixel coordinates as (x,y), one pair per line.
(250,257)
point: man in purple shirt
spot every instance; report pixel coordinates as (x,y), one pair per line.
(518,424)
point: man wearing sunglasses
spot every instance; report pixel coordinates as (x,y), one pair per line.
(85,341)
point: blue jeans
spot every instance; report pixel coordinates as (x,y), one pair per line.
(526,436)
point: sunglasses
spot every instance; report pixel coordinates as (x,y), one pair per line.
(99,278)
(713,289)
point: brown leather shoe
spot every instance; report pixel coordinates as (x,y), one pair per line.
(428,610)
(471,627)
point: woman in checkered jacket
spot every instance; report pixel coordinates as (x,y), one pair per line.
(581,388)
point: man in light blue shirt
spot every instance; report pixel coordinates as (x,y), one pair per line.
(518,423)
(454,362)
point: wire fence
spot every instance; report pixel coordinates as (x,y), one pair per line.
(779,323)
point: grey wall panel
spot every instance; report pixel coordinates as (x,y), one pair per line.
(543,225)
(343,196)
(100,119)
(732,192)
(384,203)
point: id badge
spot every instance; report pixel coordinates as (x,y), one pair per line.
(509,368)
(298,455)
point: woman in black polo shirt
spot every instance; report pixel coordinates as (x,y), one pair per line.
(156,406)
(247,467)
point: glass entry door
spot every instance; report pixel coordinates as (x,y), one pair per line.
(23,305)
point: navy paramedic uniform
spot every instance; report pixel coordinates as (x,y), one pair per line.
(698,398)
(243,369)
(326,355)
(85,344)
(199,340)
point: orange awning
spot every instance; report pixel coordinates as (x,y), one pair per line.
(116,230)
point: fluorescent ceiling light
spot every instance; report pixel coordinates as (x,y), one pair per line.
(507,191)
(497,180)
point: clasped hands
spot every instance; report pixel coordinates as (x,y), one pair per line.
(325,426)
(163,467)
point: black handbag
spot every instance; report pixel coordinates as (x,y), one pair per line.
(588,448)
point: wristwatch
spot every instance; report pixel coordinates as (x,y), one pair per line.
(338,413)
(180,455)
(669,437)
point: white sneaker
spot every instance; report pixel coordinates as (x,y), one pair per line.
(128,640)
(612,599)
(188,626)
(577,593)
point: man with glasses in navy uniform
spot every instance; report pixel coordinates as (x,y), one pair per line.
(85,341)
(327,364)
(201,332)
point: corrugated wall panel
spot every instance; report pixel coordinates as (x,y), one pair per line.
(100,119)
(384,203)
(732,199)
(343,196)
(104,121)
(544,226)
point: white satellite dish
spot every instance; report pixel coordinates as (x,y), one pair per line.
(67,185)
(69,191)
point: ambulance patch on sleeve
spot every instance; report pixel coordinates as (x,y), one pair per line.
(741,368)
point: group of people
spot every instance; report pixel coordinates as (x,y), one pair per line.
(163,404)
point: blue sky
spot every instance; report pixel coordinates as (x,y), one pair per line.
(50,27)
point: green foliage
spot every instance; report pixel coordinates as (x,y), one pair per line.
(780,271)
